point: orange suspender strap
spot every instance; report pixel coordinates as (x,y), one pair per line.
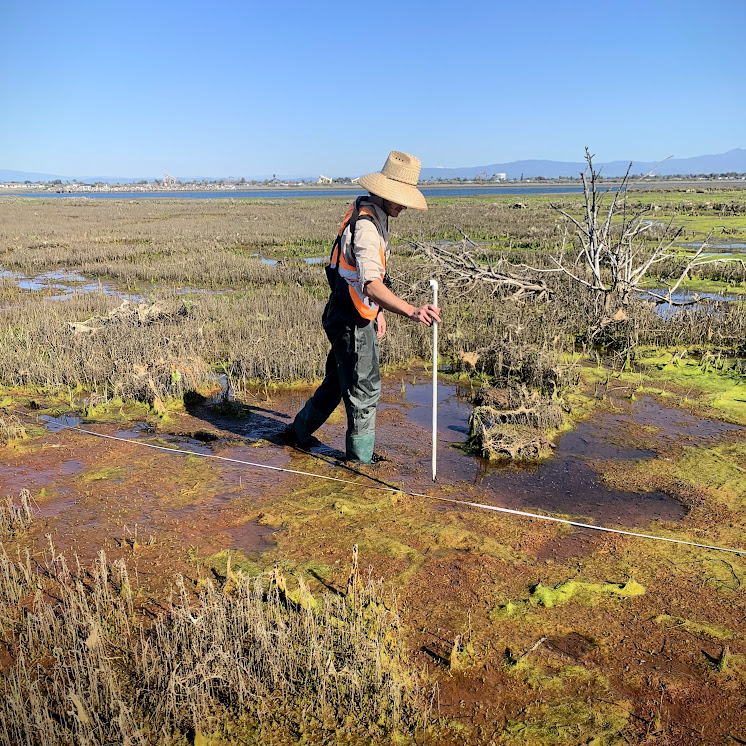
(353,215)
(338,265)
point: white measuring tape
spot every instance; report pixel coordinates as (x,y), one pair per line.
(463,503)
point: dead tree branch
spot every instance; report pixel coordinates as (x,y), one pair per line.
(609,255)
(615,255)
(466,268)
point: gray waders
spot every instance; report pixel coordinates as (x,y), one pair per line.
(352,376)
(352,370)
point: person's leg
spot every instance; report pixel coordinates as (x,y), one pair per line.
(319,407)
(360,382)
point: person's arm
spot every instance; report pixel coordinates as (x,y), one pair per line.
(386,299)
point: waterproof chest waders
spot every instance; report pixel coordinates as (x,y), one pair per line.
(352,371)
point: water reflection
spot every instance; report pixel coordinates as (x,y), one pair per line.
(567,483)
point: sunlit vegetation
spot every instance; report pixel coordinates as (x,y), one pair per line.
(253,660)
(532,633)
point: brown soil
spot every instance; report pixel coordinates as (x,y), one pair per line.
(604,666)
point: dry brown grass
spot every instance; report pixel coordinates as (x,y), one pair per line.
(253,661)
(11,428)
(15,515)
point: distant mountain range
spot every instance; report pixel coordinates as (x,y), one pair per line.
(732,161)
(22,176)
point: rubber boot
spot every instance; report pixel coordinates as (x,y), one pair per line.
(306,422)
(360,448)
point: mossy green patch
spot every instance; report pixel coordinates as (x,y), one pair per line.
(571,590)
(548,597)
(721,470)
(507,610)
(568,723)
(701,225)
(99,473)
(309,569)
(720,386)
(218,562)
(389,547)
(271,520)
(699,285)
(698,629)
(116,410)
(344,509)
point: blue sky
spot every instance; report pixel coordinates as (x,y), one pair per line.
(231,88)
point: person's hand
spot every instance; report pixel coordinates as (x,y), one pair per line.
(380,325)
(426,314)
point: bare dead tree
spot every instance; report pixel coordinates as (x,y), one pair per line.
(614,253)
(609,255)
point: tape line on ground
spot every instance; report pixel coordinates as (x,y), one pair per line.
(462,503)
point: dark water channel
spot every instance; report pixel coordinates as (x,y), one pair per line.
(567,483)
(710,302)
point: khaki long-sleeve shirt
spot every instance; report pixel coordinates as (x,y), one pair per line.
(372,248)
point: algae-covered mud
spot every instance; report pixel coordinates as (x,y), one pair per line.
(175,491)
(619,621)
(189,578)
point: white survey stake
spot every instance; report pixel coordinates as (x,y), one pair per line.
(434,286)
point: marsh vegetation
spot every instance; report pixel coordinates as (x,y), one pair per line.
(167,302)
(249,660)
(221,307)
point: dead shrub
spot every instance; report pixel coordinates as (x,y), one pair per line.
(511,423)
(505,441)
(516,364)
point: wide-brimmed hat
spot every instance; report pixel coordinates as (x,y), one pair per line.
(397,181)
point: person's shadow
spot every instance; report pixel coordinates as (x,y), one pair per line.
(254,422)
(248,422)
(251,422)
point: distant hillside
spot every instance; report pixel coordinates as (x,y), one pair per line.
(22,176)
(733,160)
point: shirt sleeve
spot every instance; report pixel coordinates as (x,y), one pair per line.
(369,252)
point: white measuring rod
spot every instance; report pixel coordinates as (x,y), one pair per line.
(434,286)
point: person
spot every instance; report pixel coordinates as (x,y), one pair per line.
(353,318)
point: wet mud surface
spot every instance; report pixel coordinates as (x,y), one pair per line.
(109,484)
(454,568)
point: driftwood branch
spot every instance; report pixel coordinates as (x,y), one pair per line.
(467,268)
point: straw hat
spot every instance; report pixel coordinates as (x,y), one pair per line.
(397,181)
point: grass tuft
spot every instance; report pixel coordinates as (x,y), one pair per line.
(15,518)
(253,660)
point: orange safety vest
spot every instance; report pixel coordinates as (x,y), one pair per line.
(349,272)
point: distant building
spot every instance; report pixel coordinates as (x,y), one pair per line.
(499,177)
(324,180)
